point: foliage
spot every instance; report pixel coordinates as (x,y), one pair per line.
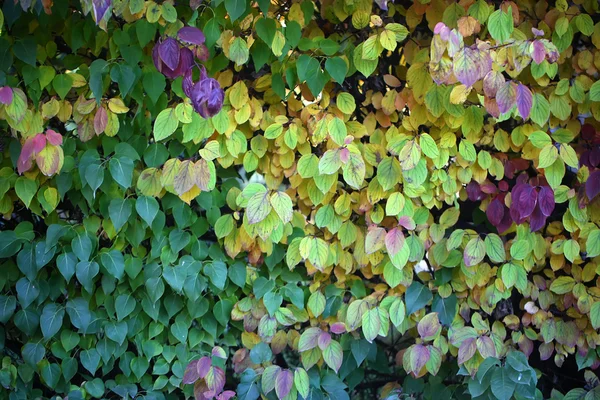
(302,199)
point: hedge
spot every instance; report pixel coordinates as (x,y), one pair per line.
(299,199)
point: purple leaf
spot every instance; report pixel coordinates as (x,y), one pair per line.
(546,200)
(506,221)
(484,64)
(6,95)
(203,366)
(537,32)
(382,4)
(99,8)
(192,35)
(186,61)
(188,83)
(324,340)
(168,52)
(474,192)
(524,100)
(506,97)
(537,220)
(283,383)
(418,358)
(492,81)
(191,374)
(526,201)
(592,185)
(467,350)
(495,211)
(207,97)
(466,66)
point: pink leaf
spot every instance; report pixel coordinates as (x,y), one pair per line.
(53,137)
(537,51)
(338,328)
(407,222)
(524,100)
(25,158)
(226,395)
(6,95)
(100,120)
(394,241)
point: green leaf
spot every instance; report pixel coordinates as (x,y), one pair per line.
(51,319)
(595,315)
(121,169)
(119,212)
(166,124)
(147,208)
(333,355)
(154,84)
(445,307)
(26,189)
(502,387)
(500,25)
(124,304)
(337,69)
(593,243)
(114,263)
(98,69)
(371,323)
(474,252)
(494,248)
(25,50)
(217,273)
(235,8)
(416,297)
(62,84)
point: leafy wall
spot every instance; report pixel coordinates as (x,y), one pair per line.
(299,199)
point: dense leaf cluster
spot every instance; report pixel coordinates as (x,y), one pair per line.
(304,199)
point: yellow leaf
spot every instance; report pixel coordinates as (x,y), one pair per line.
(117,106)
(459,94)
